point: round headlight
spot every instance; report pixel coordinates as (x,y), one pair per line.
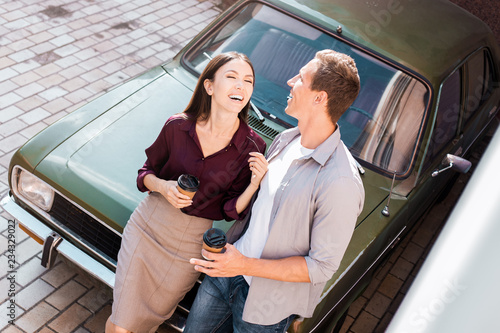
(35,190)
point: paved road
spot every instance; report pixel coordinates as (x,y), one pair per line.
(56,56)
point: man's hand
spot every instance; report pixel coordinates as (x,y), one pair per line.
(228,264)
(232,263)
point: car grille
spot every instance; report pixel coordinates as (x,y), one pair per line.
(92,232)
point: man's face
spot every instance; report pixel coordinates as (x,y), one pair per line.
(301,96)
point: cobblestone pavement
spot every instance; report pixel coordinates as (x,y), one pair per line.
(57,55)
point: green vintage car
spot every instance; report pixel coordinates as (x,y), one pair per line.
(429,89)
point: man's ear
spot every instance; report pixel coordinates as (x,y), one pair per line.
(208,86)
(321,97)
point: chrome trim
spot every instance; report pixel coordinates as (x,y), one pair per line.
(26,201)
(58,224)
(493,111)
(65,248)
(80,239)
(487,127)
(16,175)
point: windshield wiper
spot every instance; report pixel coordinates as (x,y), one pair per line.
(207,55)
(257,111)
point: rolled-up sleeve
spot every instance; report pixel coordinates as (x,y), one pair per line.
(337,210)
(229,203)
(157,155)
(230,212)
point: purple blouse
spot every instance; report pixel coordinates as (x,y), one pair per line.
(223,175)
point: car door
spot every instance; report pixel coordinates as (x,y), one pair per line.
(445,139)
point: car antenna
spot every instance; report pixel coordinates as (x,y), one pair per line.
(385,211)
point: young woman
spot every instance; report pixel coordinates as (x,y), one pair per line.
(212,141)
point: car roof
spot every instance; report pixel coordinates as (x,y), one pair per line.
(430,37)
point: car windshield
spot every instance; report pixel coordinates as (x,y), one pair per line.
(381,127)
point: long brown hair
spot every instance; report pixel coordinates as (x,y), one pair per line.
(199,105)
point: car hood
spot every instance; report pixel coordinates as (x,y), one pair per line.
(97,166)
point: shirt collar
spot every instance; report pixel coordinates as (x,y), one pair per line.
(240,136)
(321,154)
(189,126)
(325,150)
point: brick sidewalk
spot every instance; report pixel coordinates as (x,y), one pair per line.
(56,56)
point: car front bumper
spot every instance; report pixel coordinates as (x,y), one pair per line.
(64,248)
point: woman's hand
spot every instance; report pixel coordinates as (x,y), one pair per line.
(258,166)
(168,188)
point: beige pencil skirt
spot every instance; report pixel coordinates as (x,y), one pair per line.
(154,272)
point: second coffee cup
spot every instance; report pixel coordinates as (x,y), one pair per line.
(214,240)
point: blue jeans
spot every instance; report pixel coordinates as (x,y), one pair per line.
(218,308)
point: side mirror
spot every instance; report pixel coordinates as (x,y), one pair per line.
(455,163)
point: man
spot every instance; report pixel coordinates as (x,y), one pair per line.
(301,221)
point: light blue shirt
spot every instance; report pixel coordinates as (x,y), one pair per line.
(313,214)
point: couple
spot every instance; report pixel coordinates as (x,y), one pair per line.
(284,247)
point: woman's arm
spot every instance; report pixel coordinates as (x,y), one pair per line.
(156,156)
(258,166)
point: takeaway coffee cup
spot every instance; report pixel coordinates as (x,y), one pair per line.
(188,185)
(214,240)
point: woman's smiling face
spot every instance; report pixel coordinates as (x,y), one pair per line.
(232,86)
